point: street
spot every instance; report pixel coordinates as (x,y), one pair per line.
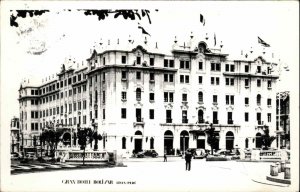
(152,174)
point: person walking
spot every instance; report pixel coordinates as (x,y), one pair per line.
(165,157)
(188,159)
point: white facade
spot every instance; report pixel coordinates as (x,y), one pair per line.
(189,84)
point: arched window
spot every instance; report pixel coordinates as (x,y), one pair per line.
(200,97)
(138,94)
(258,99)
(123,143)
(200,116)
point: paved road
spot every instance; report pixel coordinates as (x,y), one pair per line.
(152,175)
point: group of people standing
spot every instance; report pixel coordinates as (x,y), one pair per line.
(188,158)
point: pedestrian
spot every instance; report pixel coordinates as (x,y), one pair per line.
(188,159)
(165,157)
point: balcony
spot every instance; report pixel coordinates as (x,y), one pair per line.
(185,121)
(201,121)
(215,121)
(168,120)
(139,122)
(230,122)
(260,122)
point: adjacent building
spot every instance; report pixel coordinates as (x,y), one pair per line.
(283,119)
(14,135)
(140,97)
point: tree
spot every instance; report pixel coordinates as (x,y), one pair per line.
(86,136)
(266,138)
(211,137)
(51,137)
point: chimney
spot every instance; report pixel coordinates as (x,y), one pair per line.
(175,40)
(118,41)
(156,45)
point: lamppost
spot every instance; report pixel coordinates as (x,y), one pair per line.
(95,125)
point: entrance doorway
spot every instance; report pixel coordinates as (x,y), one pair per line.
(168,143)
(138,141)
(258,140)
(66,139)
(184,140)
(229,140)
(201,141)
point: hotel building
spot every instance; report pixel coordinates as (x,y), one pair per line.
(140,97)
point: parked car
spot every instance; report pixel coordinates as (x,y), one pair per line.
(140,154)
(15,156)
(30,155)
(200,154)
(150,153)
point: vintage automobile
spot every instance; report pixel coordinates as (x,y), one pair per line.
(150,153)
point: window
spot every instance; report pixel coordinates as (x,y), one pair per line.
(138,75)
(227,67)
(215,117)
(184,97)
(70,107)
(74,79)
(151,113)
(171,63)
(258,69)
(229,81)
(151,97)
(246,68)
(84,104)
(123,59)
(103,97)
(184,116)
(200,79)
(231,68)
(258,99)
(258,83)
(269,117)
(152,77)
(103,60)
(124,95)
(269,84)
(70,92)
(168,97)
(200,97)
(184,64)
(79,89)
(138,114)
(138,94)
(123,143)
(200,65)
(246,83)
(246,100)
(165,62)
(215,66)
(258,118)
(84,119)
(151,61)
(168,116)
(229,99)
(74,107)
(123,113)
(74,91)
(215,80)
(246,117)
(70,121)
(184,79)
(79,105)
(79,77)
(168,78)
(215,99)
(229,118)
(84,88)
(124,75)
(269,102)
(138,60)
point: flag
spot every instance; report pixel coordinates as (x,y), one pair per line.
(215,39)
(143,30)
(202,20)
(262,42)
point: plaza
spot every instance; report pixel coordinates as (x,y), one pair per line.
(152,174)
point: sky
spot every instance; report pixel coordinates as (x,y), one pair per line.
(62,34)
